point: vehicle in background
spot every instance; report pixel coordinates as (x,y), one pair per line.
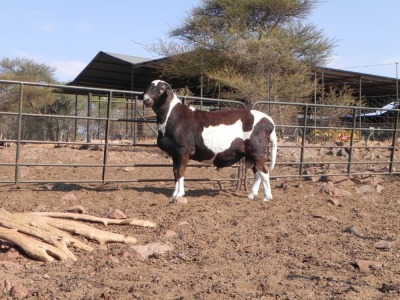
(381,115)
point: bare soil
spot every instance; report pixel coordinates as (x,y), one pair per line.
(296,246)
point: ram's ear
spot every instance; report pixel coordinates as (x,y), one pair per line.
(169,91)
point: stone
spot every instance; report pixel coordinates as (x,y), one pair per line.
(116,214)
(180,200)
(330,189)
(333,201)
(169,234)
(386,245)
(368,265)
(379,188)
(10,255)
(143,252)
(79,209)
(365,189)
(69,196)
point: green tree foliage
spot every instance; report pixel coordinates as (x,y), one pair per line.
(23,69)
(249,49)
(36,100)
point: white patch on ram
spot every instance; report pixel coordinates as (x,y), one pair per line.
(219,138)
(163,127)
(157,81)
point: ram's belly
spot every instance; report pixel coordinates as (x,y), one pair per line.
(221,138)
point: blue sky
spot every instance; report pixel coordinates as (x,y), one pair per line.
(366,34)
(68,34)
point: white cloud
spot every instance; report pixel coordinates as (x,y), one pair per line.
(391,60)
(337,62)
(67,70)
(48,28)
(81,27)
(25,54)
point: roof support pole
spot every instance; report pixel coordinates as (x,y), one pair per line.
(132,78)
(76,114)
(201,85)
(359,98)
(315,101)
(89,114)
(397,82)
(269,85)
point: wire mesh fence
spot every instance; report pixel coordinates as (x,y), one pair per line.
(337,139)
(59,118)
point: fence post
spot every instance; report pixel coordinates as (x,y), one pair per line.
(303,142)
(126,117)
(135,131)
(89,114)
(106,138)
(351,142)
(394,139)
(131,124)
(19,134)
(76,114)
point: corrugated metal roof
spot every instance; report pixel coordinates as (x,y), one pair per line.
(118,71)
(125,72)
(371,85)
(128,58)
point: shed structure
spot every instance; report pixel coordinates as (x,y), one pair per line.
(126,72)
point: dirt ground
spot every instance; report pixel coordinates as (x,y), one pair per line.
(296,246)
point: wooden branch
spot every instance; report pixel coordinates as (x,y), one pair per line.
(45,237)
(47,234)
(89,218)
(101,236)
(33,248)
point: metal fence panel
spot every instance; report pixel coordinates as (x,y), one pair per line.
(54,117)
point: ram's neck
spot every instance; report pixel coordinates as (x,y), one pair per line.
(164,112)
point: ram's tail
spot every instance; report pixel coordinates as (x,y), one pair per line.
(274,142)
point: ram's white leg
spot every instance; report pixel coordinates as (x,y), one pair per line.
(179,188)
(256,186)
(267,186)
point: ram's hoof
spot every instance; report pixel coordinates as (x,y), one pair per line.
(251,196)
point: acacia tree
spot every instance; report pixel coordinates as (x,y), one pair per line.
(38,100)
(250,49)
(23,69)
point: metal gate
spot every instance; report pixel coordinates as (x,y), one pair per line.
(99,121)
(103,121)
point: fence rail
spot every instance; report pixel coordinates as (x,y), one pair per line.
(339,140)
